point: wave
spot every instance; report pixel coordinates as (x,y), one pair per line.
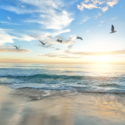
(110,85)
(61,76)
(41,75)
(75,90)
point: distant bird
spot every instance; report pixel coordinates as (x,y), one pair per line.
(17,47)
(42,42)
(79,38)
(112,29)
(59,40)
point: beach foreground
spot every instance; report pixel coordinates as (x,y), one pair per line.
(42,107)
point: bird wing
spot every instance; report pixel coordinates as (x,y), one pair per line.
(42,42)
(79,38)
(16,47)
(112,28)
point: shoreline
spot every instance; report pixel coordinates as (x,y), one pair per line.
(18,107)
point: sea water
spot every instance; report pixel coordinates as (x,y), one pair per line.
(92,78)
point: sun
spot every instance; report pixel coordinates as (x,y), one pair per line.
(103,59)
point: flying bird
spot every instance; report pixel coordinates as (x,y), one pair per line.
(112,29)
(59,40)
(79,38)
(17,47)
(42,42)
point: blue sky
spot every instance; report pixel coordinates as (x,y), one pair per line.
(24,22)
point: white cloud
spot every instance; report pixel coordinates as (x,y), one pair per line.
(44,3)
(99,14)
(104,9)
(48,36)
(25,38)
(5,37)
(112,3)
(86,1)
(12,49)
(97,4)
(102,21)
(51,40)
(88,31)
(9,23)
(9,18)
(87,6)
(62,54)
(119,52)
(85,20)
(49,13)
(55,20)
(114,18)
(22,6)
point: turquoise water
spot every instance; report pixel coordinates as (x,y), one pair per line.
(87,78)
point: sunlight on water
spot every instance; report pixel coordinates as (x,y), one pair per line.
(87,78)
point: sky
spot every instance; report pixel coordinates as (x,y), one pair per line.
(24,22)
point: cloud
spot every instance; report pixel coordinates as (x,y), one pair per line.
(12,49)
(25,38)
(99,14)
(71,54)
(9,59)
(88,31)
(54,20)
(98,53)
(87,6)
(85,20)
(57,49)
(9,18)
(114,18)
(61,55)
(112,3)
(49,13)
(104,9)
(86,1)
(5,37)
(47,36)
(97,4)
(22,6)
(51,39)
(9,23)
(102,21)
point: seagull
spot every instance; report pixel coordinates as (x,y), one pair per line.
(112,29)
(79,38)
(59,40)
(42,42)
(17,47)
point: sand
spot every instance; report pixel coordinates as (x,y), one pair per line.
(41,107)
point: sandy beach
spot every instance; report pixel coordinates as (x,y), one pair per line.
(41,107)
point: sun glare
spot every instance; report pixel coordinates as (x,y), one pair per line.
(103,59)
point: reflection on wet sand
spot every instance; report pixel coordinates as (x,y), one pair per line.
(60,108)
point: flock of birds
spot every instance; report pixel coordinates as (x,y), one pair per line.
(60,40)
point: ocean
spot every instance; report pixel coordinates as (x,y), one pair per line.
(88,78)
(62,94)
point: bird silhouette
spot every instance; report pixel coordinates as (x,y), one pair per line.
(42,43)
(17,47)
(79,38)
(112,29)
(59,40)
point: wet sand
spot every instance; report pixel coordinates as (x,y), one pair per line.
(39,107)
